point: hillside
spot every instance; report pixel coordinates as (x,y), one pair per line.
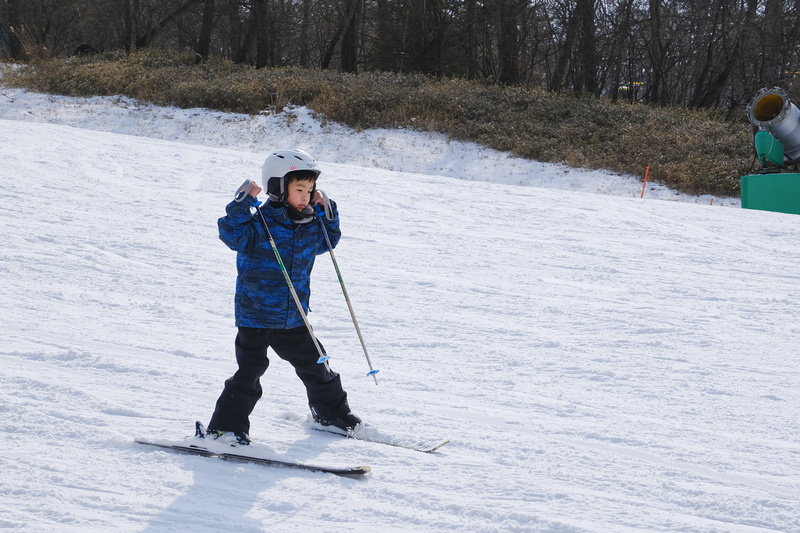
(600,362)
(691,151)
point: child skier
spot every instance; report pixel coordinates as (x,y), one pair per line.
(266,313)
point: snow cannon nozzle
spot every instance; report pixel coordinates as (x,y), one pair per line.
(778,120)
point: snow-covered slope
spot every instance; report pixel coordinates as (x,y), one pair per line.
(601,363)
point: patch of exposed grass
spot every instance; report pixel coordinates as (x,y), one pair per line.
(693,151)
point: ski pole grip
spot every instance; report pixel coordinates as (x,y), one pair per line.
(326,203)
(243,190)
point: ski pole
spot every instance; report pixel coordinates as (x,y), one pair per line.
(241,193)
(326,204)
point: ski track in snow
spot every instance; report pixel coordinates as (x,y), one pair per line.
(600,363)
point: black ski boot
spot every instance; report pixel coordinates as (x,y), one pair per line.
(241,438)
(346,422)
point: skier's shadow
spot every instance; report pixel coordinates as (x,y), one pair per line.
(219,499)
(223,493)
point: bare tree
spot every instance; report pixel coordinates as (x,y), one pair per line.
(773,19)
(350,40)
(657,55)
(144,39)
(14,25)
(241,26)
(509,41)
(305,34)
(702,53)
(569,38)
(471,30)
(709,94)
(620,26)
(205,31)
(348,18)
(128,30)
(586,75)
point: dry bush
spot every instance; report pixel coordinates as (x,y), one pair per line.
(698,152)
(32,43)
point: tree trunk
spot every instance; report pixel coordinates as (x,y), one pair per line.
(771,66)
(472,40)
(622,33)
(658,81)
(705,70)
(350,42)
(242,32)
(508,41)
(305,56)
(561,72)
(204,45)
(351,10)
(586,78)
(127,38)
(15,24)
(262,44)
(713,92)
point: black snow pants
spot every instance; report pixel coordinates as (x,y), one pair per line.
(243,390)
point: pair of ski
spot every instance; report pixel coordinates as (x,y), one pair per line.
(347,471)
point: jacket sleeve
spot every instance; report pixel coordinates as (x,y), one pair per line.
(239,229)
(332,227)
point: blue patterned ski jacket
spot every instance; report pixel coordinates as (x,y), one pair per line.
(262,298)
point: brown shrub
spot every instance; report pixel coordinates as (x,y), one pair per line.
(693,151)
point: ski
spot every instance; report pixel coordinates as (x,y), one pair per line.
(369,433)
(193,449)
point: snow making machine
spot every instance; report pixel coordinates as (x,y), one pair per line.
(775,185)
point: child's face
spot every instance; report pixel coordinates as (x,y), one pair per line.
(299,194)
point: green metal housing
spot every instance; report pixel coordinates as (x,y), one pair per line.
(768,148)
(772,192)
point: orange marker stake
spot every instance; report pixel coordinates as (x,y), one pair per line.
(646,172)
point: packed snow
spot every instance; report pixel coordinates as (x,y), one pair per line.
(599,361)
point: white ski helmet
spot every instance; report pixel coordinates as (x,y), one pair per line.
(282,162)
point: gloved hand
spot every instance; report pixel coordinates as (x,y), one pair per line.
(249,187)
